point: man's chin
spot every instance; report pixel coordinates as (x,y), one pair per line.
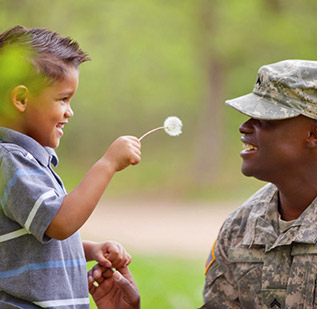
(248,171)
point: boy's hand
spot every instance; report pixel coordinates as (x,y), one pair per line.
(124,151)
(108,254)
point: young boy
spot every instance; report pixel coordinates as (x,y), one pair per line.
(43,260)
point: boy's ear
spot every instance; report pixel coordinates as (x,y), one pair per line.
(19,97)
(312,139)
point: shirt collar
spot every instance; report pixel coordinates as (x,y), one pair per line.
(262,225)
(262,228)
(45,155)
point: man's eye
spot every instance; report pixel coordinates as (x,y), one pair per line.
(64,99)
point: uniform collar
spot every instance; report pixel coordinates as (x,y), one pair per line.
(262,225)
(45,155)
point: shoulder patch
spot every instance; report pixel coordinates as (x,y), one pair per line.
(211,258)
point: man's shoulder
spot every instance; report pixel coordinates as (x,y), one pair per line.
(255,205)
(262,196)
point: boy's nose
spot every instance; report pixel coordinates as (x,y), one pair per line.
(69,112)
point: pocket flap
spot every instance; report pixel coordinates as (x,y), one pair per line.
(245,255)
(303,249)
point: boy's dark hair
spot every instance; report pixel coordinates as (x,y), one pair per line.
(48,53)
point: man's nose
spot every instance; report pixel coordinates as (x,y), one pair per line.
(247,127)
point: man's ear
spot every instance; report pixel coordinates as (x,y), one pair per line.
(19,97)
(312,139)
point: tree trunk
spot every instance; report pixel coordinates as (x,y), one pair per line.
(209,132)
(208,137)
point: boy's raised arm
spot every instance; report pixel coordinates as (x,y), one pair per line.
(81,202)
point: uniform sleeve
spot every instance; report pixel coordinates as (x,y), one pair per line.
(29,194)
(220,290)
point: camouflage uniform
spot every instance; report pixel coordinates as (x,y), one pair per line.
(255,266)
(252,264)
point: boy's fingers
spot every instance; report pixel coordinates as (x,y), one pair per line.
(104,261)
(128,260)
(125,261)
(136,160)
(116,257)
(134,139)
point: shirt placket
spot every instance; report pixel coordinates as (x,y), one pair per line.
(276,268)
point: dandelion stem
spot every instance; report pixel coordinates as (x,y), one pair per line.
(149,132)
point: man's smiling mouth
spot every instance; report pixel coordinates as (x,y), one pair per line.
(248,147)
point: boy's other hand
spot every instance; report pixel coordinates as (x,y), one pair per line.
(124,151)
(107,254)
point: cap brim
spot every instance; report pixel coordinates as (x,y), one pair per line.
(258,107)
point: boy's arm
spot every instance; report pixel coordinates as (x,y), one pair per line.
(81,202)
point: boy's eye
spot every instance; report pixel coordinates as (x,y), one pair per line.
(64,99)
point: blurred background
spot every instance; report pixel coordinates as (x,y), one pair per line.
(154,59)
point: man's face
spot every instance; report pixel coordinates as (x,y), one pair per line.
(47,112)
(274,149)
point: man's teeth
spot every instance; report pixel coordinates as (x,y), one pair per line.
(249,147)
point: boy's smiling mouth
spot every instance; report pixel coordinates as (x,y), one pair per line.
(60,127)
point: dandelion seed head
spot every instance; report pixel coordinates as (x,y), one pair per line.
(173,126)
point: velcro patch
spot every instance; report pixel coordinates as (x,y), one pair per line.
(211,258)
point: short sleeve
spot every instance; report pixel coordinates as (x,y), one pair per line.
(30,195)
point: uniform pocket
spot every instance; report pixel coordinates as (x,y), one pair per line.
(250,286)
(309,293)
(302,288)
(247,265)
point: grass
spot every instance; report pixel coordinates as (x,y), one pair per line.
(167,282)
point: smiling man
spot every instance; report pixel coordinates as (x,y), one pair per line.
(265,255)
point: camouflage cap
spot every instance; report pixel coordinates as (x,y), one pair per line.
(283,90)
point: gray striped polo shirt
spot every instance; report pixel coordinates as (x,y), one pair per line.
(35,270)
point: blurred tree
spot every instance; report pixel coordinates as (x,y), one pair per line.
(152,59)
(209,130)
(239,36)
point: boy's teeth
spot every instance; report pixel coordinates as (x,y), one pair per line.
(249,147)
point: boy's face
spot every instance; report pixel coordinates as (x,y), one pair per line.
(46,113)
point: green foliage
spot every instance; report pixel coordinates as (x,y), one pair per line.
(168,282)
(151,59)
(14,71)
